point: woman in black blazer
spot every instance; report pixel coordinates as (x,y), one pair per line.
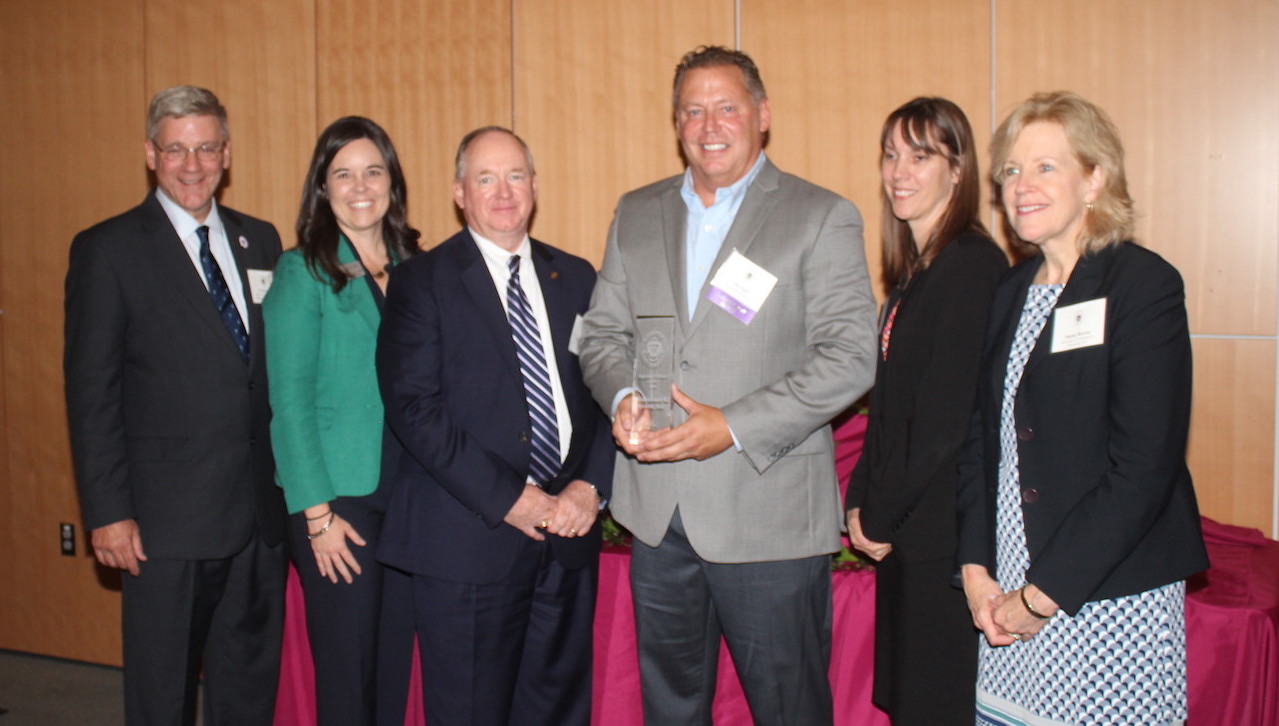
(941,269)
(1078,522)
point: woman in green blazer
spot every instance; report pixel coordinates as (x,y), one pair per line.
(321,319)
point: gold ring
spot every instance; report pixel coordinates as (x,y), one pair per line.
(545,523)
(572,531)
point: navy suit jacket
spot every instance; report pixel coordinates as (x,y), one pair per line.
(1107,499)
(168,425)
(454,395)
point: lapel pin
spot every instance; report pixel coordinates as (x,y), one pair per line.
(244,243)
(555,275)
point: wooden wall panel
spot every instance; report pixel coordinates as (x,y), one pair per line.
(258,57)
(593,101)
(1232,436)
(427,73)
(72,107)
(1192,88)
(835,70)
(1203,168)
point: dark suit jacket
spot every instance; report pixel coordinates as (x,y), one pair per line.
(168,425)
(1107,499)
(922,400)
(454,396)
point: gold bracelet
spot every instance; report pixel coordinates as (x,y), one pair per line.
(323,529)
(1030,609)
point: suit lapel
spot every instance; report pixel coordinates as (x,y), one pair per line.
(247,254)
(356,291)
(479,286)
(561,312)
(1009,304)
(674,237)
(1084,283)
(169,257)
(760,199)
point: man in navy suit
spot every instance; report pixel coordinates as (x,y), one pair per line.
(169,422)
(494,511)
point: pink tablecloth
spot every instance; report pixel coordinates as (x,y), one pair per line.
(1232,623)
(617,696)
(1232,629)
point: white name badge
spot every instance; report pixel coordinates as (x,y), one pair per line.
(575,337)
(740,287)
(1079,326)
(259,283)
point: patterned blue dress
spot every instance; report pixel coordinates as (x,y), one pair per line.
(1119,661)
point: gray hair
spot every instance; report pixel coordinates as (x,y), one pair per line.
(459,160)
(182,101)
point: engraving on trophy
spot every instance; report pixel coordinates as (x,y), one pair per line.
(654,366)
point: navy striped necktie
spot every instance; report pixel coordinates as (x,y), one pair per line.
(545,461)
(221,295)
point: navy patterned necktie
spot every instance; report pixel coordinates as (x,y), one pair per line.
(221,295)
(545,462)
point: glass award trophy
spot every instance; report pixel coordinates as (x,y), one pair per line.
(654,368)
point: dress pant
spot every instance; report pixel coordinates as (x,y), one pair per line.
(775,617)
(344,623)
(224,617)
(512,653)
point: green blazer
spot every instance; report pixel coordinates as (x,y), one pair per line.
(326,428)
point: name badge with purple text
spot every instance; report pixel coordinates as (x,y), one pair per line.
(740,287)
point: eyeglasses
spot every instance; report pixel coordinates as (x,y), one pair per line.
(177,152)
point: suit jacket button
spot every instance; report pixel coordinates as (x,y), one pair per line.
(523,437)
(1025,433)
(1030,496)
(683,365)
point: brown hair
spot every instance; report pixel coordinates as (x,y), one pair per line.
(715,56)
(933,126)
(317,227)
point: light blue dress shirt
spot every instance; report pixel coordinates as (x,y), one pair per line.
(707,227)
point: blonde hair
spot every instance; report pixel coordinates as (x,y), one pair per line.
(1094,139)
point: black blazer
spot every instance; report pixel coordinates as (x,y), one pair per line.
(454,396)
(1107,499)
(168,425)
(923,397)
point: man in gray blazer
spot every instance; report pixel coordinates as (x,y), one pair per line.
(761,280)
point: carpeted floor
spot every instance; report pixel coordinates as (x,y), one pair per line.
(40,691)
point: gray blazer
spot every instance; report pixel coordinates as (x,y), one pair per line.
(805,357)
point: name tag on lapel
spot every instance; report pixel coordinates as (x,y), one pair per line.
(1079,326)
(259,283)
(740,287)
(575,337)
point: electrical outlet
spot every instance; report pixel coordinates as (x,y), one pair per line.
(67,532)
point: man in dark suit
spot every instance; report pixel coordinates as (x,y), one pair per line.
(494,510)
(167,404)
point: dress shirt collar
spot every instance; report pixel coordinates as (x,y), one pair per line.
(184,224)
(732,193)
